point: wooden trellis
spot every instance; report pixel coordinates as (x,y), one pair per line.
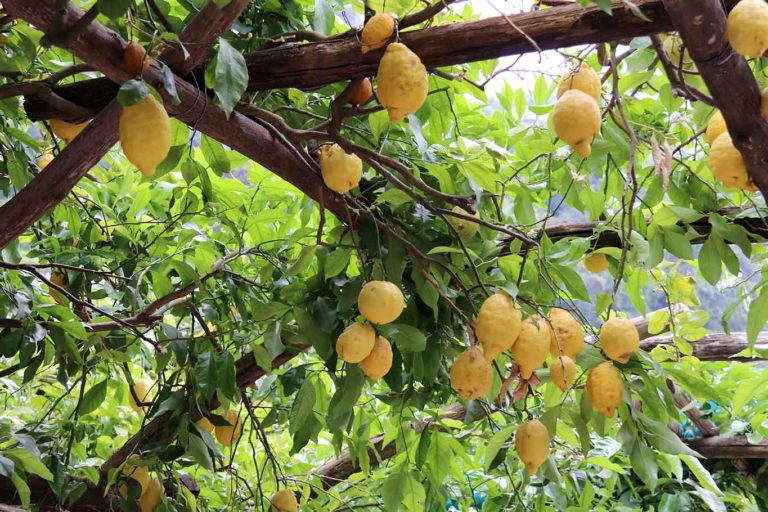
(730,82)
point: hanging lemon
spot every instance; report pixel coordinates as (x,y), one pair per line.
(380,302)
(498,324)
(748,28)
(532,445)
(567,333)
(142,388)
(562,372)
(596,262)
(356,342)
(229,435)
(341,171)
(577,120)
(605,388)
(145,134)
(532,346)
(66,131)
(377,31)
(402,82)
(379,361)
(584,79)
(471,374)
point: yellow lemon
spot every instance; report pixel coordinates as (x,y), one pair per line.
(619,339)
(341,171)
(532,346)
(380,302)
(205,424)
(229,435)
(577,120)
(377,31)
(562,372)
(583,79)
(152,496)
(596,262)
(59,279)
(66,131)
(728,165)
(498,324)
(567,333)
(402,82)
(142,388)
(356,342)
(605,388)
(471,374)
(532,445)
(715,127)
(379,361)
(465,228)
(748,28)
(138,473)
(145,134)
(284,501)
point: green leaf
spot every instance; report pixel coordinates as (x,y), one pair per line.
(6,466)
(573,282)
(701,473)
(268,311)
(336,262)
(644,464)
(746,390)
(347,393)
(169,83)
(114,9)
(710,264)
(30,462)
(22,488)
(205,375)
(393,490)
(198,451)
(305,259)
(663,439)
(132,92)
(302,407)
(231,76)
(324,17)
(407,337)
(226,383)
(94,397)
(495,444)
(757,317)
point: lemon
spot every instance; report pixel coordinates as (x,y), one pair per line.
(567,333)
(380,302)
(377,31)
(138,473)
(532,346)
(498,324)
(142,388)
(596,262)
(284,501)
(715,127)
(205,424)
(562,372)
(379,361)
(748,28)
(145,134)
(605,388)
(229,435)
(583,79)
(341,171)
(471,374)
(465,228)
(356,342)
(577,120)
(402,82)
(532,445)
(619,339)
(135,59)
(728,165)
(363,93)
(673,44)
(44,160)
(59,279)
(66,131)
(152,496)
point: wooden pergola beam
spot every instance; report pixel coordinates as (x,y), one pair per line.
(702,25)
(714,346)
(315,64)
(102,48)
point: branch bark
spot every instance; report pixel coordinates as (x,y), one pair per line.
(715,346)
(731,83)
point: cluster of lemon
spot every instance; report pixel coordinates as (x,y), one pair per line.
(402,88)
(500,327)
(380,302)
(576,117)
(748,35)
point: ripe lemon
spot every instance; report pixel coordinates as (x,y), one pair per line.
(471,374)
(605,388)
(142,388)
(284,501)
(341,171)
(728,165)
(379,361)
(465,228)
(532,445)
(596,262)
(498,324)
(567,333)
(748,28)
(66,131)
(532,346)
(377,31)
(619,339)
(577,120)
(205,424)
(402,82)
(356,342)
(44,160)
(363,93)
(134,59)
(58,279)
(380,302)
(562,372)
(145,134)
(583,79)
(229,435)
(152,496)
(138,473)
(715,127)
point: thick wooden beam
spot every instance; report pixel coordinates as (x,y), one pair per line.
(702,25)
(315,64)
(720,447)
(715,346)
